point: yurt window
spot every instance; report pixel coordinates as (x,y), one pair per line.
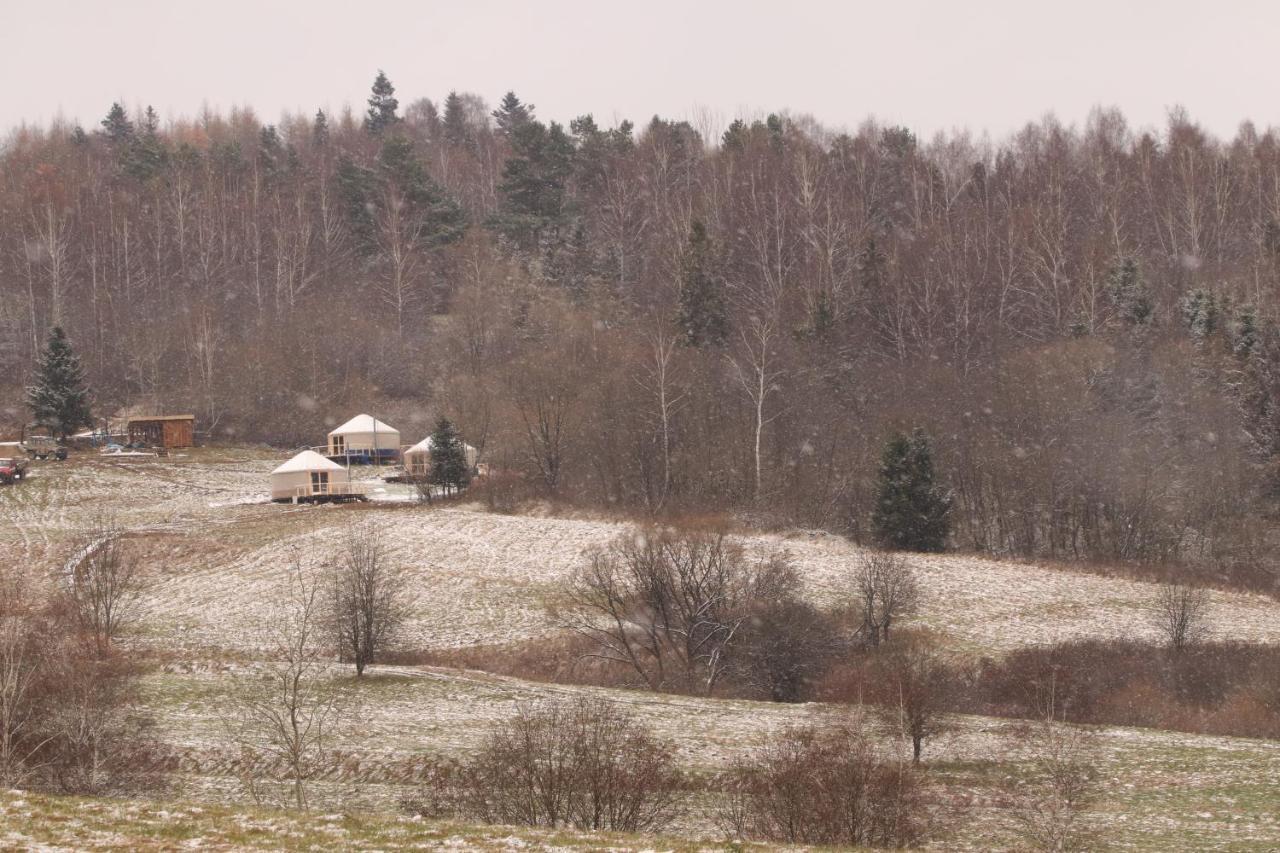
(339,444)
(319,482)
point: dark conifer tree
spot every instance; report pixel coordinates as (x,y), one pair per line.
(116,126)
(703,313)
(911,511)
(735,138)
(356,184)
(512,113)
(1129,293)
(535,211)
(320,130)
(382,106)
(448,458)
(456,130)
(442,218)
(58,398)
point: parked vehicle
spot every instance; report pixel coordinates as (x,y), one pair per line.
(12,469)
(44,447)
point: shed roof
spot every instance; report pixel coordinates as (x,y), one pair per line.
(307,460)
(363,423)
(140,418)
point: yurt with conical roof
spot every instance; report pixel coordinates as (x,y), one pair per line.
(417,459)
(364,439)
(310,477)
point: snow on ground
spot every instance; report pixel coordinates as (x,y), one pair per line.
(481,578)
(1159,788)
(220,554)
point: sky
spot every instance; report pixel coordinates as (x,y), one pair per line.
(986,65)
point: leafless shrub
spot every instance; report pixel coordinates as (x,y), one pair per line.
(887,590)
(368,599)
(422,488)
(89,719)
(68,710)
(106,583)
(786,643)
(1051,801)
(284,722)
(669,604)
(826,786)
(23,641)
(1181,613)
(583,763)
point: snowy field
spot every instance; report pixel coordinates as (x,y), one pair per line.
(219,551)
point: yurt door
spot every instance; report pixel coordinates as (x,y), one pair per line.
(319,482)
(339,445)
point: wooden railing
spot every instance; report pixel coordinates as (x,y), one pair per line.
(332,490)
(385,455)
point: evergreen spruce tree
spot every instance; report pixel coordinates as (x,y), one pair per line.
(59,399)
(1246,332)
(1129,293)
(534,209)
(1200,313)
(320,130)
(272,156)
(512,113)
(456,130)
(702,317)
(437,218)
(442,219)
(911,510)
(147,154)
(382,106)
(116,126)
(735,138)
(448,458)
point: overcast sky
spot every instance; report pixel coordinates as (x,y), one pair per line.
(989,65)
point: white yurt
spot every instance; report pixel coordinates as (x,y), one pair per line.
(308,476)
(365,438)
(417,459)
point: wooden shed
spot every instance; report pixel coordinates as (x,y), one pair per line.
(166,431)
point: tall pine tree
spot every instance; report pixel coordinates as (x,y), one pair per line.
(382,106)
(911,511)
(456,129)
(535,210)
(448,458)
(703,316)
(512,114)
(59,398)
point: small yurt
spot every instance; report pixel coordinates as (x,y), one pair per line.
(417,459)
(309,476)
(364,438)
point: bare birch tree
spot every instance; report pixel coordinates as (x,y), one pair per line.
(284,723)
(660,381)
(758,371)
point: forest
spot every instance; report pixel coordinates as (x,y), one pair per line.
(682,318)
